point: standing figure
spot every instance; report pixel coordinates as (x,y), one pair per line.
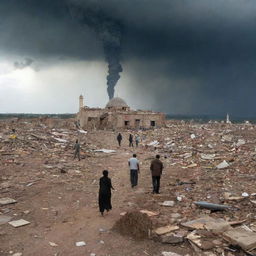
(130,140)
(119,138)
(156,168)
(77,150)
(134,170)
(105,193)
(137,140)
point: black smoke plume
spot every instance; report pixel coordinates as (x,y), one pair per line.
(109,31)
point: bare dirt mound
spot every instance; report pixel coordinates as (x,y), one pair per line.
(135,224)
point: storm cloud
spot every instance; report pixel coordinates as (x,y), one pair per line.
(23,64)
(191,57)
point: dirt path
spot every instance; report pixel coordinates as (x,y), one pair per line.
(63,208)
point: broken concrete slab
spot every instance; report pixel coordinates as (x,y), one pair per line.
(19,223)
(81,243)
(165,229)
(7,200)
(202,243)
(208,156)
(171,238)
(223,165)
(208,223)
(168,203)
(241,237)
(103,150)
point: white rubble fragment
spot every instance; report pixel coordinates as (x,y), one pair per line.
(192,136)
(17,254)
(81,243)
(240,142)
(227,138)
(7,200)
(244,194)
(83,131)
(103,150)
(208,156)
(153,143)
(223,165)
(179,198)
(168,203)
(187,155)
(210,146)
(53,244)
(19,223)
(61,140)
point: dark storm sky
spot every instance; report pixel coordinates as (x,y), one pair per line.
(195,56)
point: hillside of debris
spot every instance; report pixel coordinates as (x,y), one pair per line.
(49,200)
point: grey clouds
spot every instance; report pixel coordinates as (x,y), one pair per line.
(194,57)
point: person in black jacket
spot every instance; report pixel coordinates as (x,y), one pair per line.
(105,193)
(130,140)
(119,138)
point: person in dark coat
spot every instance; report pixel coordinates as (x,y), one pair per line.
(105,193)
(119,138)
(156,168)
(130,140)
(77,150)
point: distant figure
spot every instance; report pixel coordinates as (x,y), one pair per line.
(105,193)
(119,138)
(134,170)
(77,150)
(156,168)
(137,140)
(130,140)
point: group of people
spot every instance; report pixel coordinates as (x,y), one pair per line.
(156,168)
(119,139)
(131,139)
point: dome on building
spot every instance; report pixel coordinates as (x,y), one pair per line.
(117,103)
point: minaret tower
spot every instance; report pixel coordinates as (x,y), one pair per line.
(81,102)
(227,119)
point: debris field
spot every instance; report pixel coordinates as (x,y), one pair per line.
(49,201)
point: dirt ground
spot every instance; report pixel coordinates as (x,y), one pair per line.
(59,196)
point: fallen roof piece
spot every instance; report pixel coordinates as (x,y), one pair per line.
(239,236)
(18,223)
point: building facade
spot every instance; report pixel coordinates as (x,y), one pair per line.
(118,115)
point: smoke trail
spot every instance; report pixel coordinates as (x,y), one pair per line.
(110,33)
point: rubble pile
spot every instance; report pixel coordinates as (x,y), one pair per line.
(212,174)
(207,199)
(135,224)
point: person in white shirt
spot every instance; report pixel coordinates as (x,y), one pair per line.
(134,170)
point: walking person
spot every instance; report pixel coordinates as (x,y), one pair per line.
(119,138)
(105,193)
(137,140)
(134,170)
(130,140)
(156,168)
(77,150)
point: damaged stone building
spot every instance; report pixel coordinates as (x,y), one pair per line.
(117,115)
